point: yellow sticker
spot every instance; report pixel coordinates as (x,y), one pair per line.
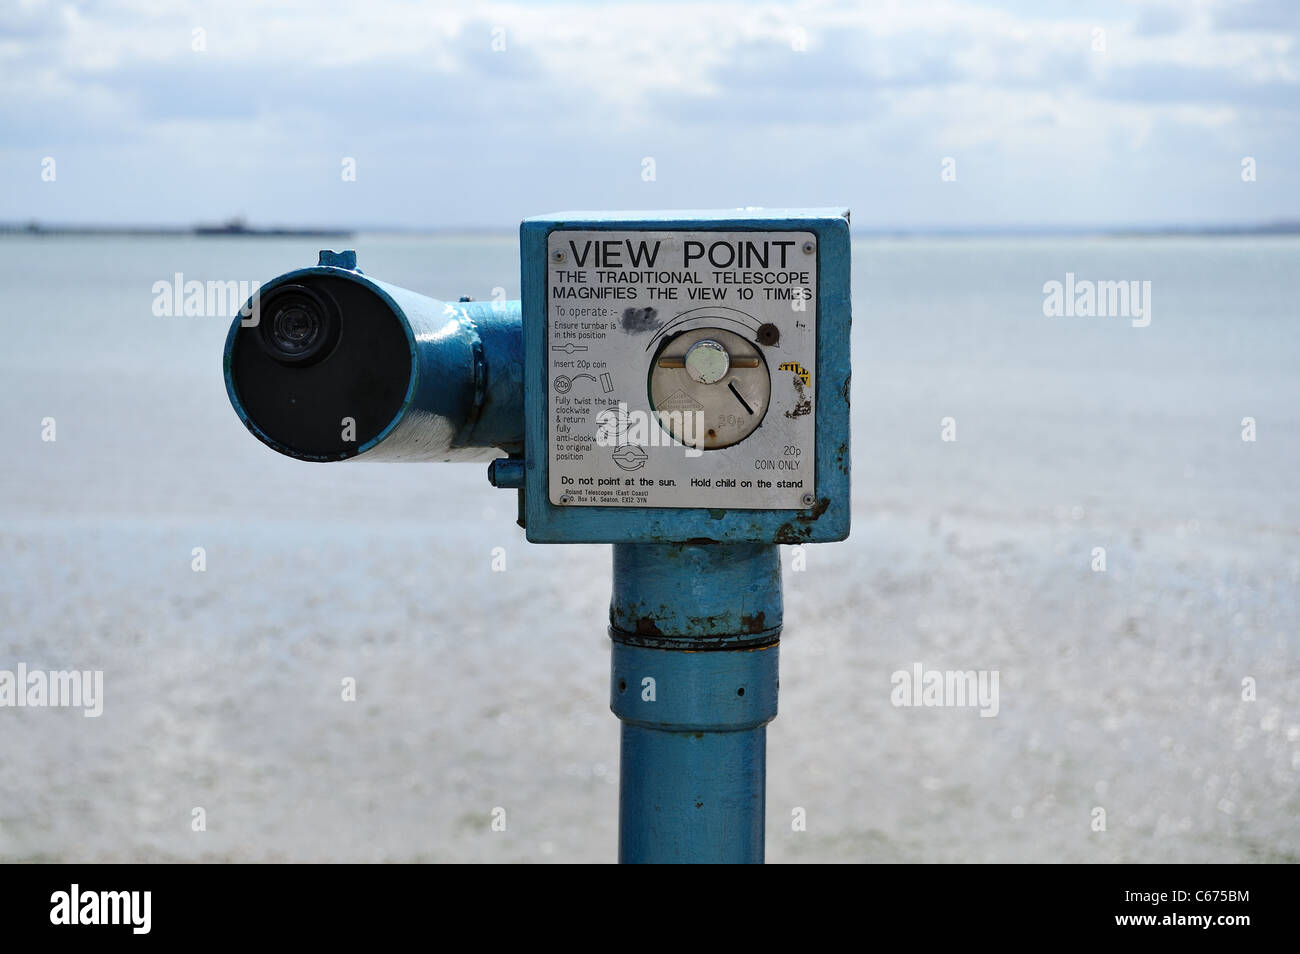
(798,369)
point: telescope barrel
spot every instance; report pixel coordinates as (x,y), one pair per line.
(327,364)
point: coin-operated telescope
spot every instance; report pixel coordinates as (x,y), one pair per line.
(673,383)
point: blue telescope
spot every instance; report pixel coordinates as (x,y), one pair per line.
(673,383)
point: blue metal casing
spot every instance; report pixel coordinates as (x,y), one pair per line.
(827,520)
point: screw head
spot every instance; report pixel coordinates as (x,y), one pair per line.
(557,255)
(808,500)
(565,498)
(808,248)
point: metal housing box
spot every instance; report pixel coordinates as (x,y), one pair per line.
(825,519)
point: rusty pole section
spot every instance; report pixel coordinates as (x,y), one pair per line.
(695,630)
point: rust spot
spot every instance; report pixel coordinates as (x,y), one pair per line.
(704,625)
(645,626)
(788,533)
(754,622)
(817,510)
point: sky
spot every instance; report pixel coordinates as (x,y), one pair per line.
(927,114)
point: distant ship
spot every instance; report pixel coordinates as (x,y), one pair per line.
(237,226)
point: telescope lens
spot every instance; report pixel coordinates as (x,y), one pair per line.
(302,327)
(322,367)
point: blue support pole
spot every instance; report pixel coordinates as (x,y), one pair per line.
(695,630)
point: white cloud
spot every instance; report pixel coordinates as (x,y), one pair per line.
(589,87)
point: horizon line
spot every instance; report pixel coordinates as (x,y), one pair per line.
(241,230)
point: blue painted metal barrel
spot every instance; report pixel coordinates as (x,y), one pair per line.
(419,379)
